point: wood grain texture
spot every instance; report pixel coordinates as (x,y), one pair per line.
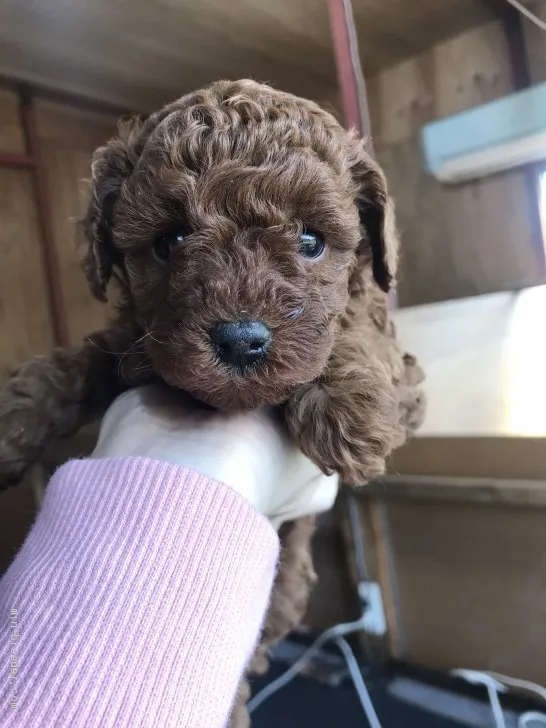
(68,141)
(471,582)
(461,240)
(459,456)
(24,322)
(535,42)
(375,647)
(333,599)
(146,52)
(11,137)
(448,489)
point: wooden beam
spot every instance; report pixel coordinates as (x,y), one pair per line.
(498,8)
(68,98)
(50,254)
(349,72)
(16,161)
(512,21)
(485,491)
(352,84)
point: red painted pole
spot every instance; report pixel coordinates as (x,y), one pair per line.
(351,79)
(349,71)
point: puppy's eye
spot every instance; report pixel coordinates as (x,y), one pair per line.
(166,242)
(311,244)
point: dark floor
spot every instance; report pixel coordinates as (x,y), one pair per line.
(309,703)
(305,703)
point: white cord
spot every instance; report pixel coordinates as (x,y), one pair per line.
(495,683)
(358,682)
(290,674)
(528,14)
(494,687)
(336,633)
(521,684)
(526,718)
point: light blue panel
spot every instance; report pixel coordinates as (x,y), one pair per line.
(511,117)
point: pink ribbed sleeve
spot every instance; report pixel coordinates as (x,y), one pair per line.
(135,601)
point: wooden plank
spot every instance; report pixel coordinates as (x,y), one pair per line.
(457,490)
(11,136)
(535,45)
(475,457)
(514,29)
(42,202)
(472,582)
(24,322)
(333,599)
(71,100)
(401,101)
(159,50)
(459,241)
(374,647)
(470,69)
(467,70)
(395,30)
(69,138)
(16,161)
(388,580)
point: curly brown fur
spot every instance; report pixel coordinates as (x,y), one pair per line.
(238,171)
(295,579)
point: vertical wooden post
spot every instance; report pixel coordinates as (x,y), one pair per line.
(512,22)
(49,251)
(351,80)
(349,71)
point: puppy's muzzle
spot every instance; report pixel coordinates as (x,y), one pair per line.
(242,344)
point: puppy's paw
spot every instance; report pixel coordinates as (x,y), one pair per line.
(25,415)
(348,423)
(413,401)
(20,433)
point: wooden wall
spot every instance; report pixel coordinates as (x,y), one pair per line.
(457,241)
(68,138)
(461,568)
(24,322)
(536,44)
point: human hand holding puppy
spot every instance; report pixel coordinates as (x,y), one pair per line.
(156,553)
(250,451)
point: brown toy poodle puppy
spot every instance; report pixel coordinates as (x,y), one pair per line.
(253,242)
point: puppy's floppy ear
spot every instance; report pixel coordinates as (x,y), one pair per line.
(110,167)
(376,212)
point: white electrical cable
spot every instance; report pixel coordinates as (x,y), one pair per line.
(290,674)
(528,14)
(476,677)
(358,682)
(513,682)
(495,683)
(530,719)
(336,633)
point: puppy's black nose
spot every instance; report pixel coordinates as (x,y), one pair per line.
(242,344)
